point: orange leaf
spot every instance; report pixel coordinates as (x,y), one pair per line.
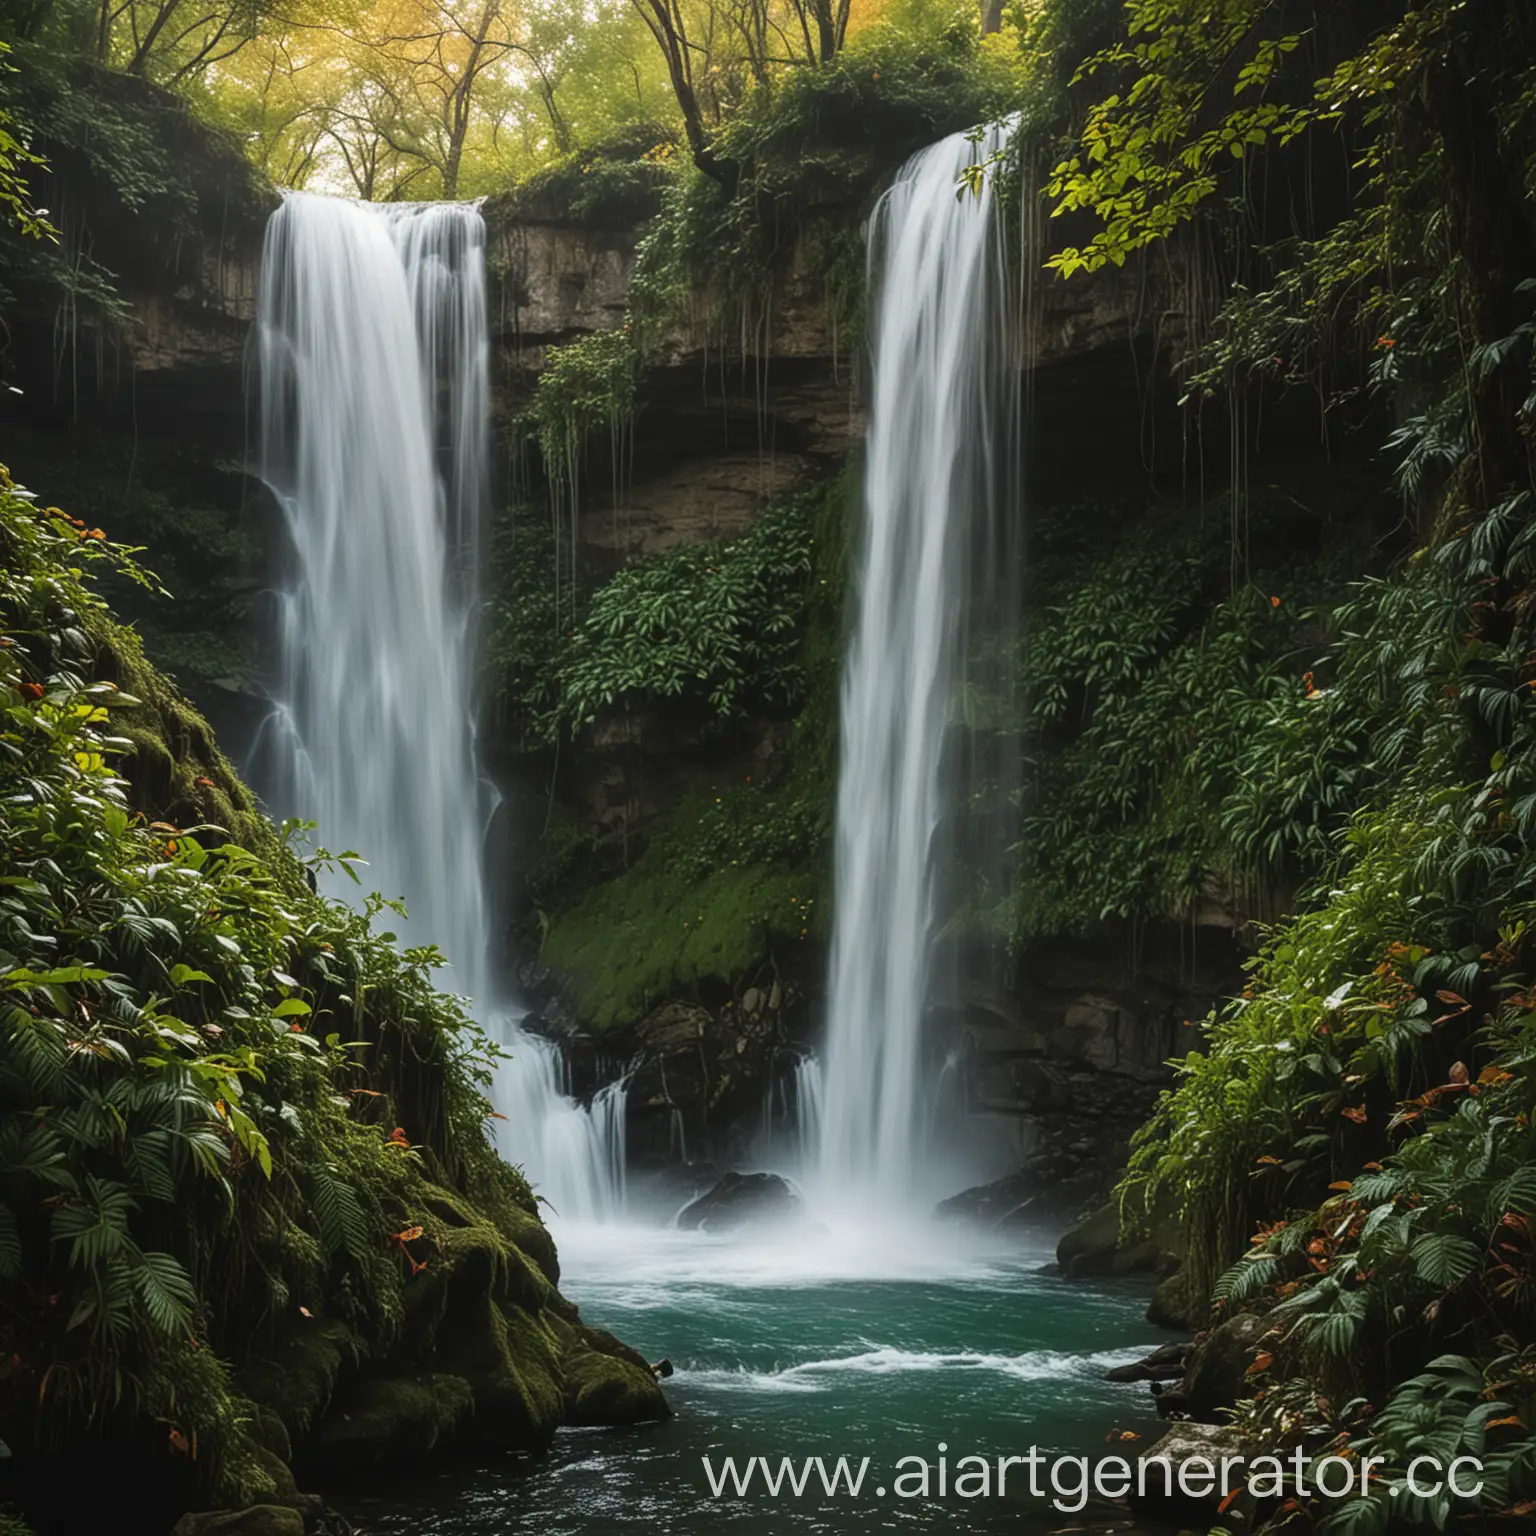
(408,1235)
(1261,1362)
(31,691)
(1357,1115)
(1513,1418)
(1341,1184)
(179,1441)
(1129,1434)
(1228,1502)
(207,784)
(1270,1161)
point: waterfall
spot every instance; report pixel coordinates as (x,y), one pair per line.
(372,412)
(808,1092)
(939,330)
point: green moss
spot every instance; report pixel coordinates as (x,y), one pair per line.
(608,1389)
(657,930)
(393,1418)
(294,1378)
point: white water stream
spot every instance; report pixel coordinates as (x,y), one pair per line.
(933,461)
(371,357)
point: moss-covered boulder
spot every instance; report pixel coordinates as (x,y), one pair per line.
(608,1384)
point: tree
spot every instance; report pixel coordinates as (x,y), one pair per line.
(175,40)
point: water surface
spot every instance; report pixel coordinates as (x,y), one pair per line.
(803,1346)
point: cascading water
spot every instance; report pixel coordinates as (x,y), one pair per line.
(373,418)
(934,465)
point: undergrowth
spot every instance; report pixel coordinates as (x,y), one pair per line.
(230,1110)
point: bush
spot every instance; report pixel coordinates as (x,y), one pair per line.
(226,1103)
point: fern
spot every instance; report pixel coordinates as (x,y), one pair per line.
(166,1292)
(343,1226)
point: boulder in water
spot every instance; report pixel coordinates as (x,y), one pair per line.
(742,1199)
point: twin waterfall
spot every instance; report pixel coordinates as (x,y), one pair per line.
(372,396)
(370,356)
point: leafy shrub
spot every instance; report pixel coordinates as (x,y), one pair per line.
(718,625)
(1161,712)
(223,1099)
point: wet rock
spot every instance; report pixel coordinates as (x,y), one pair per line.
(1218,1369)
(1089,1247)
(742,1199)
(1193,1466)
(258,1520)
(1166,1363)
(1175,1303)
(608,1383)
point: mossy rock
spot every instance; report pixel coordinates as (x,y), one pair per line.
(655,932)
(511,1361)
(608,1389)
(531,1238)
(294,1380)
(258,1520)
(392,1418)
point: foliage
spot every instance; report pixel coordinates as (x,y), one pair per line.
(16,162)
(738,865)
(223,1099)
(135,182)
(714,625)
(1366,1103)
(615,184)
(1176,749)
(1151,149)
